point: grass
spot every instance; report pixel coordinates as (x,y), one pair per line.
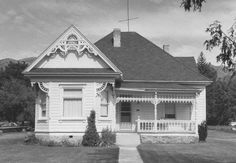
(220,147)
(13,150)
(222,128)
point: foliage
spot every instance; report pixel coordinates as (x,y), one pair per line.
(220,96)
(225,41)
(196,5)
(202,131)
(205,68)
(31,139)
(108,138)
(16,94)
(218,104)
(91,137)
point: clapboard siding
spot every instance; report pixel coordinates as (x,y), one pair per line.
(89,102)
(201,106)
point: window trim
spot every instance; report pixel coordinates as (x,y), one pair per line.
(72,87)
(104,104)
(39,105)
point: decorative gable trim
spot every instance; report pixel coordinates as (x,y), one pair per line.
(72,39)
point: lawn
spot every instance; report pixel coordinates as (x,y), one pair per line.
(13,150)
(220,147)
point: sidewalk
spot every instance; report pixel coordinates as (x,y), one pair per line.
(128,152)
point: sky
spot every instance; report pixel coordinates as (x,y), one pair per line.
(27,27)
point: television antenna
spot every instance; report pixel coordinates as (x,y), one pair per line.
(128,18)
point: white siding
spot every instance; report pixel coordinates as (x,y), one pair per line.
(183,111)
(72,61)
(201,106)
(90,102)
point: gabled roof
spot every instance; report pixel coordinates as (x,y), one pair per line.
(141,60)
(72,30)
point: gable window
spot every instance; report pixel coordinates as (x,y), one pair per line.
(170,110)
(104,104)
(72,103)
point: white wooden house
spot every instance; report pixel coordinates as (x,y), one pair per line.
(132,84)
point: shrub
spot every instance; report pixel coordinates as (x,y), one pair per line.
(108,138)
(91,137)
(31,139)
(202,131)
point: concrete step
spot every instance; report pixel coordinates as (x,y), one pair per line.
(127,139)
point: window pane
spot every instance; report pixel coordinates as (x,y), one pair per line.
(43,113)
(72,108)
(104,110)
(104,97)
(73,92)
(125,117)
(170,108)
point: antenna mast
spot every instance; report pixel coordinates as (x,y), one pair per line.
(128,19)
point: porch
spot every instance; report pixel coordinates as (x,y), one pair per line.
(156,113)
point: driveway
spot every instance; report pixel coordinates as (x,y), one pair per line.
(219,148)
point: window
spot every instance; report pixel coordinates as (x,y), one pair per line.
(43,100)
(72,103)
(169,110)
(104,104)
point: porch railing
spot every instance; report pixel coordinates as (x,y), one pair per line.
(166,126)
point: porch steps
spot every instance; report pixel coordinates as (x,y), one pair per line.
(127,139)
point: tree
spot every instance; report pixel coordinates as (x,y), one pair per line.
(15,98)
(218,104)
(225,41)
(91,137)
(205,68)
(16,94)
(196,5)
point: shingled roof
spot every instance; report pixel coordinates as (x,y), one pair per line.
(140,59)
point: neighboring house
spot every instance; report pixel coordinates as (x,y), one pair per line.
(132,84)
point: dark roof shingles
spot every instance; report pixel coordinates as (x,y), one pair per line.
(140,59)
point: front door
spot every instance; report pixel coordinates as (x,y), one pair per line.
(125,116)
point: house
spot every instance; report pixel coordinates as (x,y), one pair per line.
(132,84)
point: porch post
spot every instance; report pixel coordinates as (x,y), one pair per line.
(155,111)
(155,102)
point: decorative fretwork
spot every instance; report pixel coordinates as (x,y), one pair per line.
(157,98)
(72,42)
(101,87)
(43,86)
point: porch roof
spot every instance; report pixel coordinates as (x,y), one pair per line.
(152,87)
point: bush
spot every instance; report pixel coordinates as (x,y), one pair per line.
(31,139)
(91,137)
(202,131)
(108,138)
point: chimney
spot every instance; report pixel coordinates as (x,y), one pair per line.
(116,37)
(166,48)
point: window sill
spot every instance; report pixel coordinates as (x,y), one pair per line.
(42,120)
(73,119)
(104,119)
